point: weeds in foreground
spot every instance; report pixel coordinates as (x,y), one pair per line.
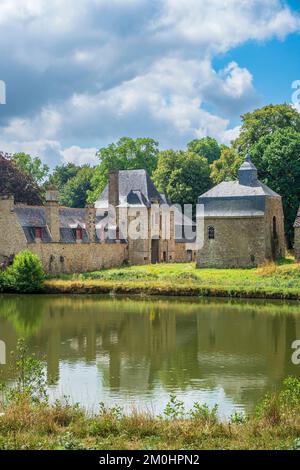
(29,421)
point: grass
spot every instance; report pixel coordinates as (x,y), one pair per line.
(25,424)
(274,281)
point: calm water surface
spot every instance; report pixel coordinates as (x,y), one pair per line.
(135,352)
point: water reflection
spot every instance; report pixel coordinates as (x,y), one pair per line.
(138,351)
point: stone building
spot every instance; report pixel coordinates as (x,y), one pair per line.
(76,240)
(297,236)
(243,223)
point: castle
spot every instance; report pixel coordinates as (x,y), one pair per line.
(71,240)
(242,225)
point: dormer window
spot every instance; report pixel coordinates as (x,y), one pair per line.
(38,233)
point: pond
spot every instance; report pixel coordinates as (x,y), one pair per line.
(135,352)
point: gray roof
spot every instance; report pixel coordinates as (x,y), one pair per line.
(72,218)
(297,221)
(31,216)
(235,189)
(135,187)
(243,198)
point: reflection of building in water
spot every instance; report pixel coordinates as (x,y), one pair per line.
(244,348)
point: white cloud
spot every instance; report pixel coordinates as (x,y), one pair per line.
(80,156)
(109,68)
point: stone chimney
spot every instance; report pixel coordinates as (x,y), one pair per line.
(113,200)
(113,188)
(52,213)
(7,203)
(90,222)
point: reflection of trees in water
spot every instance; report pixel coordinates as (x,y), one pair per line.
(242,347)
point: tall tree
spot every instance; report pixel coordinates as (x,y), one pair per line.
(74,192)
(263,122)
(277,157)
(17,183)
(31,165)
(182,175)
(126,154)
(206,147)
(226,167)
(62,174)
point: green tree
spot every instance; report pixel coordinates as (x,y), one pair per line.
(206,147)
(62,174)
(74,192)
(26,273)
(277,157)
(31,165)
(126,154)
(263,122)
(182,175)
(226,167)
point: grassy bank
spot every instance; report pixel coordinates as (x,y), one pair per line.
(29,424)
(273,281)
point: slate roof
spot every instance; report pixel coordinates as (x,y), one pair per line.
(245,197)
(72,218)
(297,221)
(235,189)
(135,186)
(31,216)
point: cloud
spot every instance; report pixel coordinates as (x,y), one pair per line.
(78,78)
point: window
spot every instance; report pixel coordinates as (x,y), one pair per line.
(38,233)
(79,234)
(211,233)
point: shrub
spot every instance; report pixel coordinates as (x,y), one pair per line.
(4,281)
(26,274)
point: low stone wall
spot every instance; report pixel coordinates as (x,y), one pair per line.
(58,258)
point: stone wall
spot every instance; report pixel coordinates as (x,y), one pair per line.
(275,246)
(238,243)
(297,243)
(79,257)
(12,237)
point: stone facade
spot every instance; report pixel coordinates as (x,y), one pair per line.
(74,240)
(243,223)
(297,236)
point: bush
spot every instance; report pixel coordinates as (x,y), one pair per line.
(4,281)
(26,274)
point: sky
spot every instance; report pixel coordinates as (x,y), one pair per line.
(80,74)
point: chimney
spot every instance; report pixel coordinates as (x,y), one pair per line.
(113,188)
(7,203)
(52,213)
(91,222)
(113,200)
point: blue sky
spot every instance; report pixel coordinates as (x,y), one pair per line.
(80,78)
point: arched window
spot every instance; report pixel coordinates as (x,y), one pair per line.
(211,233)
(274,227)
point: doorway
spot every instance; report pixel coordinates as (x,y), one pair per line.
(154,251)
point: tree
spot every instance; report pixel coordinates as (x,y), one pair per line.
(277,157)
(182,175)
(31,165)
(62,174)
(126,154)
(226,168)
(263,122)
(74,192)
(21,185)
(26,274)
(206,147)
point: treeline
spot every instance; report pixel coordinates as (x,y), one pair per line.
(270,134)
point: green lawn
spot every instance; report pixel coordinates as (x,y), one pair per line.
(281,280)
